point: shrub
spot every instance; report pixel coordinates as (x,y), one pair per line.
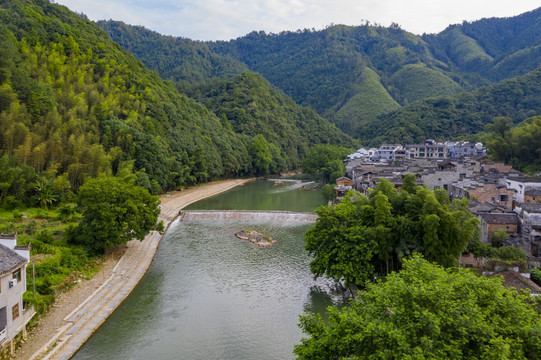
(535,276)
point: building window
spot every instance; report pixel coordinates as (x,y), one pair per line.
(15,311)
(504,198)
(17,275)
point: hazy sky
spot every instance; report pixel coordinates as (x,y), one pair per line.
(228,19)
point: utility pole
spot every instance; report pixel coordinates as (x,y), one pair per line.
(34,279)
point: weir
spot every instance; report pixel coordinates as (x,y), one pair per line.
(248,215)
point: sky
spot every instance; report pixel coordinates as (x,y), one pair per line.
(229,19)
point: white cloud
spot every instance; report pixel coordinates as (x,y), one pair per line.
(226,19)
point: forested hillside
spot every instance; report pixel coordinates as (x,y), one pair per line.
(73,104)
(465,114)
(254,107)
(495,48)
(352,75)
(343,72)
(172,57)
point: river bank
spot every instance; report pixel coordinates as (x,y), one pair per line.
(53,326)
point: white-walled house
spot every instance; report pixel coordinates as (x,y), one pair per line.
(521,184)
(13,316)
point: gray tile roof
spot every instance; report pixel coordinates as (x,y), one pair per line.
(503,219)
(9,260)
(531,208)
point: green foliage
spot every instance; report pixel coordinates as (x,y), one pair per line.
(535,276)
(326,162)
(519,146)
(356,240)
(464,114)
(261,155)
(74,105)
(252,107)
(180,59)
(427,312)
(417,81)
(370,100)
(328,191)
(114,212)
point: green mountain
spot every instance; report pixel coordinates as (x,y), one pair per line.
(74,104)
(352,75)
(495,48)
(172,57)
(343,72)
(465,114)
(253,107)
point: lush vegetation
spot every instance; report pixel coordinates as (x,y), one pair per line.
(114,212)
(427,312)
(57,263)
(353,75)
(417,81)
(371,99)
(519,146)
(465,114)
(493,48)
(358,239)
(536,276)
(259,112)
(326,162)
(183,60)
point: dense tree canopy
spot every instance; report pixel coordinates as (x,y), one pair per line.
(427,312)
(362,237)
(519,146)
(114,211)
(326,162)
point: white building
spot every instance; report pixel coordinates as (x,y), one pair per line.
(521,184)
(463,149)
(13,316)
(389,153)
(428,150)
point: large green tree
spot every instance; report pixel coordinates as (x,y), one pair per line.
(114,212)
(362,237)
(326,162)
(427,312)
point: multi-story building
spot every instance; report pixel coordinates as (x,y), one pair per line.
(464,149)
(389,153)
(13,315)
(428,150)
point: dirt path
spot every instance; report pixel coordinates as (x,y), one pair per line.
(67,301)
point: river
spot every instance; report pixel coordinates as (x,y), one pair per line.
(209,295)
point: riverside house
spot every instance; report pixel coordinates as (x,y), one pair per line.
(13,315)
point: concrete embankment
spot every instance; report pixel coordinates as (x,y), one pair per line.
(81,323)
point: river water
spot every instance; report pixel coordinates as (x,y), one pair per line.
(209,295)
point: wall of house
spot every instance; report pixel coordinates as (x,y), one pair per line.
(344,182)
(439,179)
(520,188)
(532,199)
(500,167)
(9,297)
(490,193)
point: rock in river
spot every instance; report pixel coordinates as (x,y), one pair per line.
(255,237)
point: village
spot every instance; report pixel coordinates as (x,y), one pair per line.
(505,201)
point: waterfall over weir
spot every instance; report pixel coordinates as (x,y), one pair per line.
(248,215)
